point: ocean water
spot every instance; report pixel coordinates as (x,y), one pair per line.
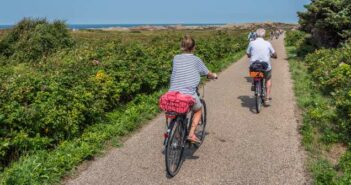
(100,26)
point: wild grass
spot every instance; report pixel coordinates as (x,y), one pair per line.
(316,138)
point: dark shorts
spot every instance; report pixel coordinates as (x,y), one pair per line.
(267,75)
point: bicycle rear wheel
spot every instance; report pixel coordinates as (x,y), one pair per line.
(258,99)
(175,147)
(201,128)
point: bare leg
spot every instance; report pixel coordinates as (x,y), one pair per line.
(196,119)
(268,86)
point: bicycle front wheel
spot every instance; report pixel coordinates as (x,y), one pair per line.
(175,147)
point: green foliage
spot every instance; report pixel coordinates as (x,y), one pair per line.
(321,84)
(128,71)
(331,72)
(32,39)
(47,167)
(323,173)
(54,99)
(329,21)
(301,41)
(294,37)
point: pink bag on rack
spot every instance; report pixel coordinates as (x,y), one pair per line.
(175,101)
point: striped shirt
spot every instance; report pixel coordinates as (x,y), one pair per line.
(186,72)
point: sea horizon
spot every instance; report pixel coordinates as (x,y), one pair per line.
(105,26)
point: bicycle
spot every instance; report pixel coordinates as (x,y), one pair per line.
(259,83)
(178,126)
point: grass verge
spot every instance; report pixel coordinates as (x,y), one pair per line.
(48,167)
(327,160)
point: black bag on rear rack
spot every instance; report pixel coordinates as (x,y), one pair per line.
(259,66)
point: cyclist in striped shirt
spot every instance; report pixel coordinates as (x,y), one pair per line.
(186,72)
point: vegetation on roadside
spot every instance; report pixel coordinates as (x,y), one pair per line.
(320,61)
(328,21)
(61,100)
(323,91)
(45,167)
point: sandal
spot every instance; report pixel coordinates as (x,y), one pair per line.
(267,101)
(194,140)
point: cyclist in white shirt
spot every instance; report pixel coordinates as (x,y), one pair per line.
(260,50)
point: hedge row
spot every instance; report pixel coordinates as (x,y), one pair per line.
(323,86)
(53,97)
(48,167)
(330,70)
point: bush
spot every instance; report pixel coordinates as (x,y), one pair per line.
(328,21)
(331,72)
(324,122)
(302,41)
(47,102)
(294,37)
(32,39)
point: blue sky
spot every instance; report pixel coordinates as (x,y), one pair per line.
(152,11)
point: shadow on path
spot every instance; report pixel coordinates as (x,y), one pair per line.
(249,102)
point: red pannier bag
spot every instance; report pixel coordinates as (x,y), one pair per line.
(174,101)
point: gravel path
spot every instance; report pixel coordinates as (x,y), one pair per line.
(242,147)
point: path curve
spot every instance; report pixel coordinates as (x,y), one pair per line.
(242,147)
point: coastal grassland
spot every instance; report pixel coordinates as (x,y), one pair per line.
(321,80)
(65,94)
(2,33)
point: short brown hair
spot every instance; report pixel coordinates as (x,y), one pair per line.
(188,43)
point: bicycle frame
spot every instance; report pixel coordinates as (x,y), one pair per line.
(260,91)
(263,85)
(185,121)
(170,117)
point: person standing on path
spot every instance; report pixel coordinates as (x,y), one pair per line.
(185,78)
(260,50)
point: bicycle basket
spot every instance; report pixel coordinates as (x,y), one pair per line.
(255,74)
(174,101)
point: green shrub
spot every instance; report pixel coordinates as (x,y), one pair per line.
(331,73)
(301,41)
(324,173)
(294,37)
(323,90)
(54,99)
(32,39)
(328,21)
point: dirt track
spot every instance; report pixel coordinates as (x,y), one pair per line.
(242,147)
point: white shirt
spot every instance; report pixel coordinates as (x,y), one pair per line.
(260,50)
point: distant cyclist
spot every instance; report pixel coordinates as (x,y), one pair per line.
(272,35)
(260,50)
(251,36)
(277,34)
(185,78)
